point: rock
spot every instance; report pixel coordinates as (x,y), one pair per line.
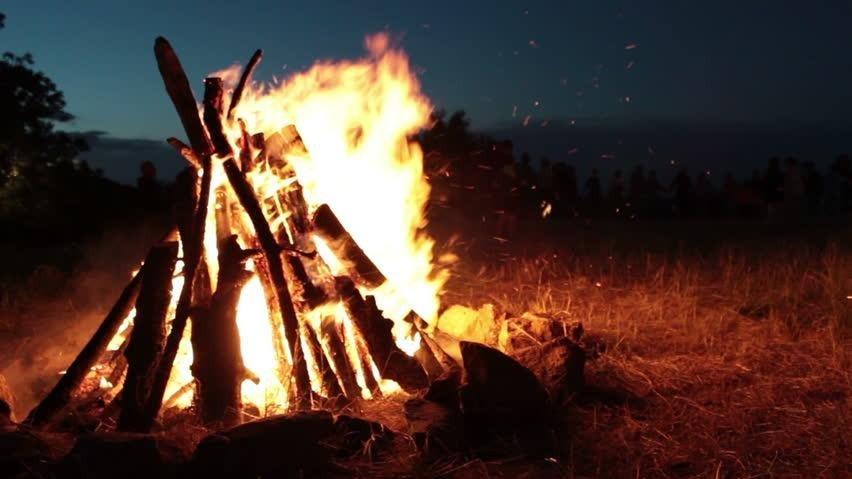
(498,387)
(479,325)
(354,434)
(108,455)
(271,447)
(435,428)
(445,389)
(501,398)
(558,364)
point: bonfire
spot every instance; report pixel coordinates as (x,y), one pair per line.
(298,275)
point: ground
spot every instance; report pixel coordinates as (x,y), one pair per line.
(727,343)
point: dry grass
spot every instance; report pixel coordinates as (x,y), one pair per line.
(733,355)
(737,359)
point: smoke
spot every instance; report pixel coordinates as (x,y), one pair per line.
(47,316)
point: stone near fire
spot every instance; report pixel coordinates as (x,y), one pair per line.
(445,389)
(498,392)
(108,455)
(558,364)
(277,446)
(464,323)
(435,428)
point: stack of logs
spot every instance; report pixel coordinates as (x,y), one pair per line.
(284,268)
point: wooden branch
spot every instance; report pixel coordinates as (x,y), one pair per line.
(271,252)
(181,95)
(217,357)
(245,147)
(370,380)
(60,395)
(376,331)
(331,334)
(358,265)
(330,386)
(213,100)
(244,79)
(193,248)
(185,151)
(148,336)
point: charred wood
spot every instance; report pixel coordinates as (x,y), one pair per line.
(185,151)
(217,357)
(148,337)
(359,266)
(275,266)
(213,98)
(193,250)
(331,334)
(177,86)
(392,362)
(330,386)
(244,79)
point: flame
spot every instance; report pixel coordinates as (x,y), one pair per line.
(355,119)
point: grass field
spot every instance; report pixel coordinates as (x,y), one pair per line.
(730,340)
(727,343)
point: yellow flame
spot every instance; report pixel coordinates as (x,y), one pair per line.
(355,118)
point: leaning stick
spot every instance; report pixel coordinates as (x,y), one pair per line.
(177,86)
(179,91)
(185,151)
(60,395)
(272,253)
(375,329)
(244,79)
(358,265)
(213,100)
(148,336)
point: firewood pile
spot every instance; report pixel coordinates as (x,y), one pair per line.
(473,377)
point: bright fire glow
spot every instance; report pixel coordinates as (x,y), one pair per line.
(355,118)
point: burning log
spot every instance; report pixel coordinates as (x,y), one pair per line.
(245,147)
(193,247)
(330,334)
(244,79)
(272,253)
(180,92)
(185,151)
(177,86)
(213,100)
(366,361)
(60,395)
(148,336)
(376,331)
(358,265)
(330,386)
(217,358)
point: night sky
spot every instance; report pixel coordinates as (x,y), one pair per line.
(756,64)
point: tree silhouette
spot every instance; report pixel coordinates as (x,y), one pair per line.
(33,154)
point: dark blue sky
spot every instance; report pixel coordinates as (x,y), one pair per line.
(747,62)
